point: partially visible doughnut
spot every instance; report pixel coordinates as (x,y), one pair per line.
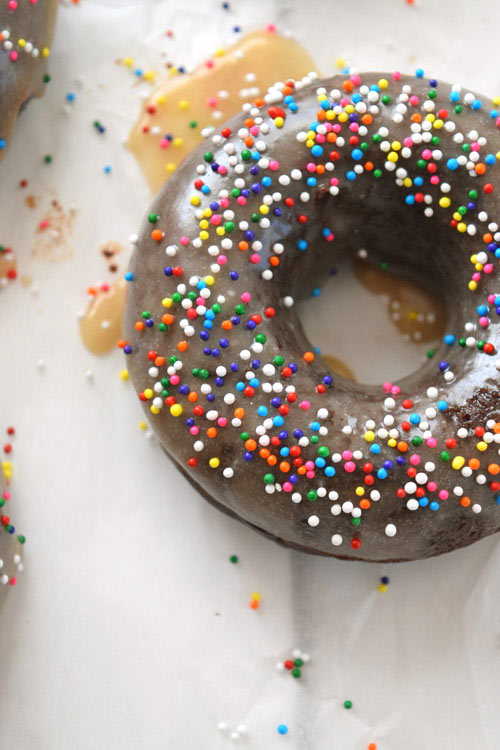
(25,36)
(10,545)
(404,166)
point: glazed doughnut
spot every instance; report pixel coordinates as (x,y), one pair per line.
(404,167)
(25,36)
(10,546)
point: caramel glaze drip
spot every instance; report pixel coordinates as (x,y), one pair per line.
(182,106)
(101,326)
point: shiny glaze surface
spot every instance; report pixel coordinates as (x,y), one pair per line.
(369,213)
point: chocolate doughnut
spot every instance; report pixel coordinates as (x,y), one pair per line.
(25,36)
(403,166)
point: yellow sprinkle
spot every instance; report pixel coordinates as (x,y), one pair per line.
(207,213)
(392,156)
(482,446)
(45,52)
(149,75)
(143,425)
(21,42)
(457,216)
(395,145)
(360,491)
(349,109)
(124,374)
(430,117)
(128,61)
(392,443)
(183,104)
(444,202)
(473,258)
(457,462)
(256,596)
(264,209)
(148,393)
(472,286)
(343,117)
(220,52)
(220,231)
(176,410)
(166,302)
(161,99)
(279,122)
(369,436)
(407,182)
(340,62)
(214,463)
(204,224)
(496,100)
(154,409)
(195,200)
(170,167)
(203,235)
(178,142)
(209,280)
(383,83)
(462,227)
(382,587)
(438,124)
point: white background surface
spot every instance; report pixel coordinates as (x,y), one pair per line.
(129,627)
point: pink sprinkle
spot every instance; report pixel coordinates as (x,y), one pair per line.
(349,466)
(13,581)
(415,459)
(216,219)
(241,200)
(484,322)
(174,379)
(491,298)
(408,142)
(13,55)
(12,4)
(434,179)
(305,405)
(287,486)
(105,287)
(194,430)
(271,27)
(414,100)
(395,390)
(443,494)
(211,101)
(309,465)
(334,181)
(476,277)
(347,455)
(224,202)
(387,387)
(222,421)
(431,442)
(432,486)
(164,143)
(356,79)
(221,169)
(488,268)
(6,495)
(475,146)
(209,63)
(311,167)
(274,165)
(255,258)
(396,75)
(222,260)
(427,153)
(184,240)
(310,474)
(254,130)
(246,297)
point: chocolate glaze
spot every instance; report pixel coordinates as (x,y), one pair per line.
(22,79)
(367,213)
(10,554)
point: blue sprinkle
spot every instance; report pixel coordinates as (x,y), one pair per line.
(410,200)
(107,169)
(3,143)
(282,729)
(452,164)
(419,73)
(423,502)
(415,419)
(129,276)
(449,339)
(455,96)
(375,448)
(357,154)
(302,244)
(317,150)
(70,97)
(442,405)
(434,505)
(351,176)
(330,472)
(476,104)
(490,158)
(381,474)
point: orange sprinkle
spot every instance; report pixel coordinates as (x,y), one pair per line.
(272,460)
(250,444)
(480,168)
(331,137)
(264,453)
(465,501)
(284,467)
(372,745)
(157,234)
(496,428)
(493,468)
(183,346)
(487,238)
(239,412)
(160,361)
(308,357)
(249,122)
(364,503)
(226,325)
(367,119)
(211,432)
(121,343)
(243,245)
(249,141)
(274,260)
(368,166)
(139,325)
(402,446)
(347,86)
(167,319)
(301,470)
(416,117)
(192,396)
(474,463)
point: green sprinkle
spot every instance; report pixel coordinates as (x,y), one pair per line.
(233,559)
(347,704)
